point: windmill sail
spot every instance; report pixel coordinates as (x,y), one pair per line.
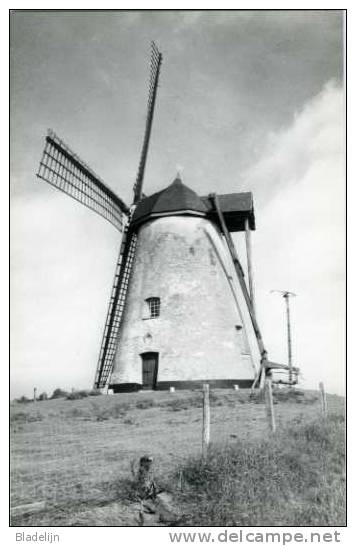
(63,169)
(156,59)
(116,307)
(127,252)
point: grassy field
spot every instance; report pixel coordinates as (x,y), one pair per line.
(76,455)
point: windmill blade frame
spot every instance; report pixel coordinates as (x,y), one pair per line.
(63,169)
(110,338)
(115,310)
(156,60)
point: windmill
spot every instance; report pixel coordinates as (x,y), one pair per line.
(180,312)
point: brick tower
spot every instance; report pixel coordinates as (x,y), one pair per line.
(185,319)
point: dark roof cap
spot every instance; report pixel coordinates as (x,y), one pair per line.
(175,198)
(236,208)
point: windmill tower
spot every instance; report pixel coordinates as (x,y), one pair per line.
(180,312)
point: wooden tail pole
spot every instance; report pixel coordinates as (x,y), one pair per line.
(324,408)
(239,271)
(206,421)
(269,405)
(249,265)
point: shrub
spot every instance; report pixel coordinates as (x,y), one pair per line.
(42,396)
(23,400)
(59,393)
(95,392)
(77,395)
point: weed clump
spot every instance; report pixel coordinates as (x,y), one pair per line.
(294,478)
(23,400)
(145,404)
(22,417)
(77,395)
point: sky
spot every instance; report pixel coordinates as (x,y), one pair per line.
(248,101)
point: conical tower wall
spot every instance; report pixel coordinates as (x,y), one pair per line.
(203,332)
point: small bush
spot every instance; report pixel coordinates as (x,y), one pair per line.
(59,393)
(23,400)
(95,392)
(77,395)
(42,396)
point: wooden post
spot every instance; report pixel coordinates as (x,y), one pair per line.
(263,372)
(180,479)
(206,421)
(324,408)
(146,486)
(269,405)
(249,265)
(34,394)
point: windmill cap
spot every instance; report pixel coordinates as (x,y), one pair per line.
(176,198)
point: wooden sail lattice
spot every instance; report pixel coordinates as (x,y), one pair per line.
(116,307)
(156,60)
(127,252)
(63,169)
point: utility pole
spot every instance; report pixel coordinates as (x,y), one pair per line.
(286,295)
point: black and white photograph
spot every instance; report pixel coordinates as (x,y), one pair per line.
(177,270)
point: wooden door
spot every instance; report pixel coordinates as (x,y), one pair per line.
(149,370)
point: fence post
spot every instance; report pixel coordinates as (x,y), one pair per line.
(180,479)
(269,405)
(324,408)
(35,394)
(206,421)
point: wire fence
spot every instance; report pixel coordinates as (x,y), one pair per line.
(72,452)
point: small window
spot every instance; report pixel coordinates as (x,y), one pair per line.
(154,307)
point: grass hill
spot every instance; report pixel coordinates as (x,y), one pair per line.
(75,456)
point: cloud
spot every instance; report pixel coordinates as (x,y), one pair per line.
(63,259)
(314,137)
(299,188)
(62,267)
